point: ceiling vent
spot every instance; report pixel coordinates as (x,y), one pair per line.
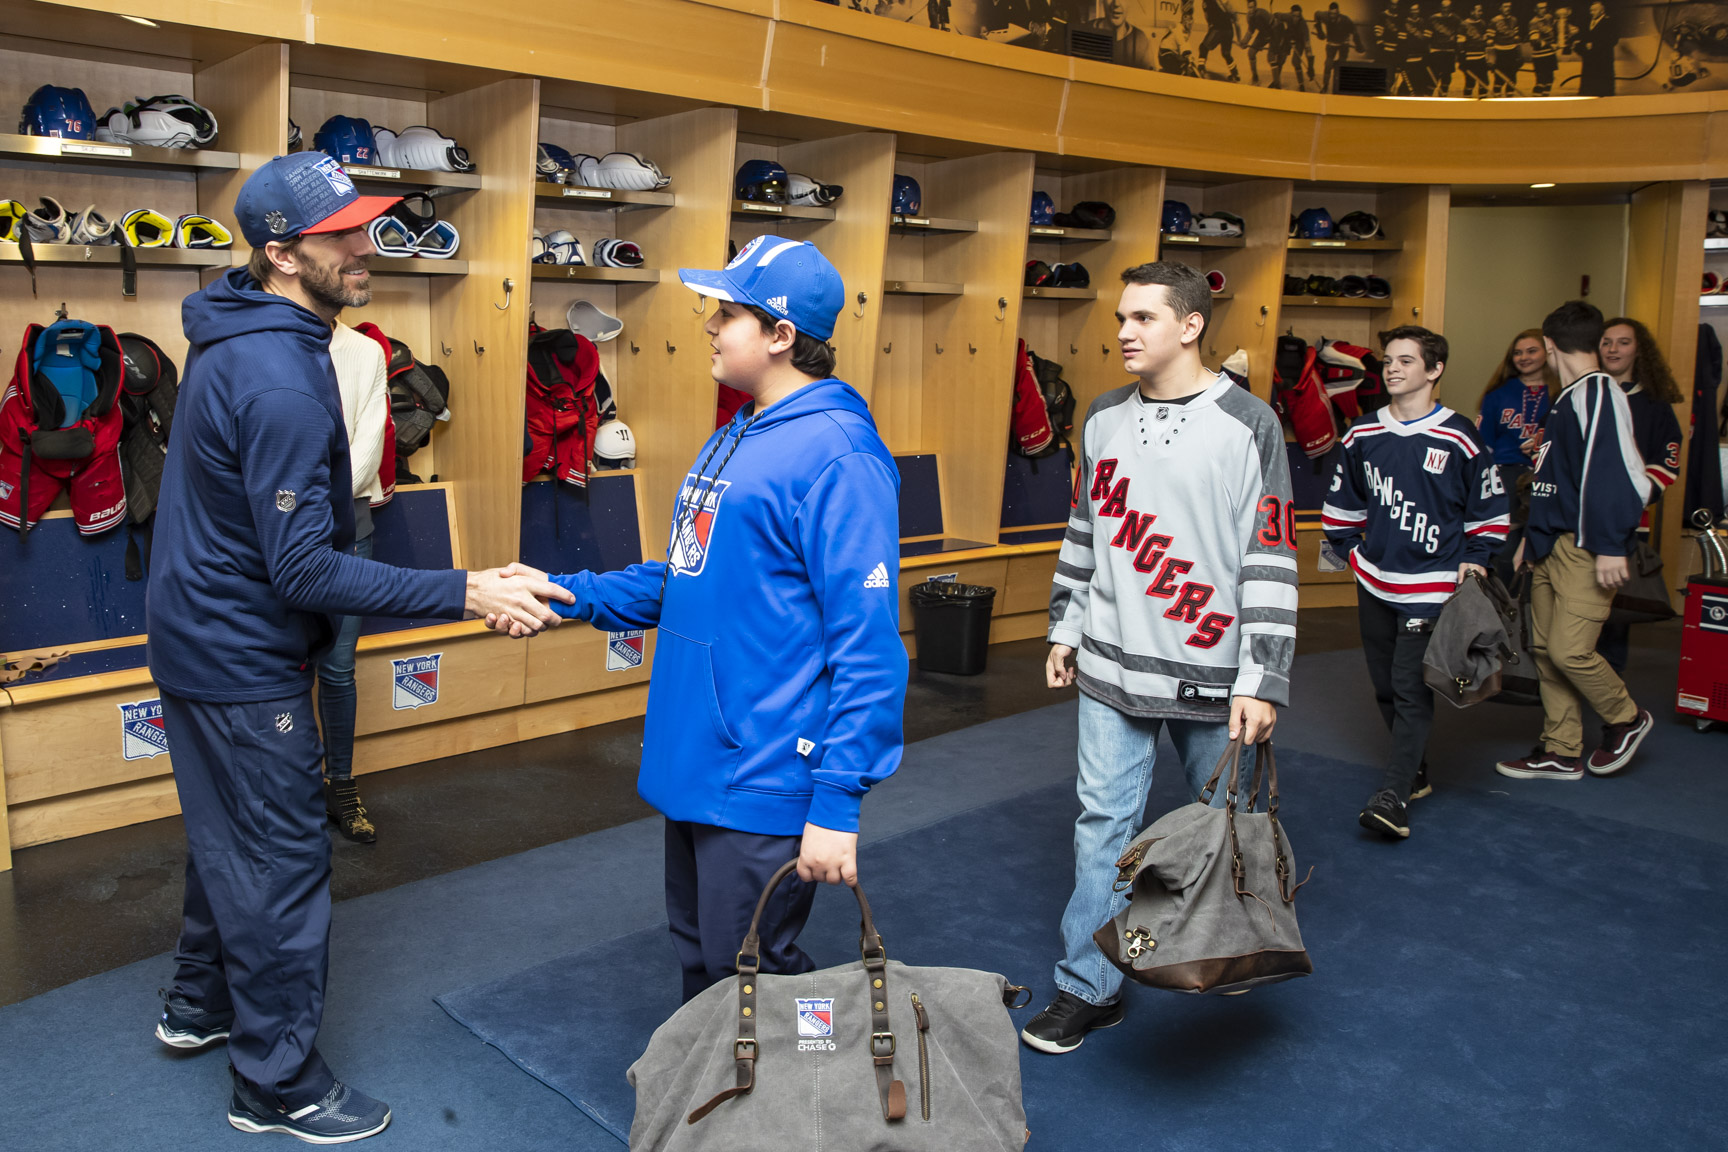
(1091,45)
(1363,80)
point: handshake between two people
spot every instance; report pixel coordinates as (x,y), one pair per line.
(514,600)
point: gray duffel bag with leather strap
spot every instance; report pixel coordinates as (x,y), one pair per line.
(874,1056)
(1211,907)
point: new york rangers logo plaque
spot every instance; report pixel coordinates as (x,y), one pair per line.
(142,732)
(414,681)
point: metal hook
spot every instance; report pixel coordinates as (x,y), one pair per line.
(1104,349)
(889,349)
(1073,351)
(863,299)
(970,347)
(445,348)
(938,349)
(1001,308)
(669,347)
(509,287)
(701,304)
(633,349)
(479,348)
(60,313)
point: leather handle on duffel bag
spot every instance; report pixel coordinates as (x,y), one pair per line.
(749,962)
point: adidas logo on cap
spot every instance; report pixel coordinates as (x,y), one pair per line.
(878,577)
(778,303)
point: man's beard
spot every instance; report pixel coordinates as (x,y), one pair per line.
(330,287)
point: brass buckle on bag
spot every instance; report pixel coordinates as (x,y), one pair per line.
(740,1043)
(876,1038)
(1139,940)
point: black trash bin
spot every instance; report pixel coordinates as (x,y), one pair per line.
(951,623)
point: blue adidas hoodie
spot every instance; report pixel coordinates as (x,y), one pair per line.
(249,557)
(779,676)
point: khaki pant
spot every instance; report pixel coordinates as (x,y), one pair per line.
(1567,608)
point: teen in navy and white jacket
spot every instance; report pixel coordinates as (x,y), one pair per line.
(1397,497)
(1590,479)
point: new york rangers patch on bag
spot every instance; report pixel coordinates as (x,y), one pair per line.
(414,681)
(142,732)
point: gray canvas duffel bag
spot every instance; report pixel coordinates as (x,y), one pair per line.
(868,1057)
(1210,906)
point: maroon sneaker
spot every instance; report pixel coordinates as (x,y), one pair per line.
(1542,765)
(1619,744)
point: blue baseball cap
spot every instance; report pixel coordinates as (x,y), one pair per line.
(785,278)
(306,192)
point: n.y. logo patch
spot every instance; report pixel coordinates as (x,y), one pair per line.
(142,732)
(414,681)
(698,507)
(1435,461)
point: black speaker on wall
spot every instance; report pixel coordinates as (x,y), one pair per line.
(1363,80)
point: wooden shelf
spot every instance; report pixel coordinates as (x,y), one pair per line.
(411,178)
(922,288)
(931,224)
(549,195)
(1716,244)
(1335,302)
(1052,232)
(110,254)
(1226,295)
(591,273)
(1188,240)
(1061,293)
(751,209)
(119,156)
(416,266)
(1344,245)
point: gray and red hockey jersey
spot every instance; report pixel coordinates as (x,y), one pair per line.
(1590,481)
(1411,502)
(1176,582)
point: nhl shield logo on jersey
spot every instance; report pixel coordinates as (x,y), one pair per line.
(414,681)
(1435,460)
(698,505)
(624,650)
(142,732)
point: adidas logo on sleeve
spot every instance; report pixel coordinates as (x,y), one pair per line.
(878,577)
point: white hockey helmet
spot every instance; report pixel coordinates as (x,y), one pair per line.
(614,446)
(1217,224)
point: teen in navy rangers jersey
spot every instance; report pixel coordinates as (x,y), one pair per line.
(1176,594)
(1631,355)
(1416,501)
(1586,496)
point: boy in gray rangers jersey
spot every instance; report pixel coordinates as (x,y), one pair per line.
(1176,589)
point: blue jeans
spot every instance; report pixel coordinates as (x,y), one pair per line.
(336,695)
(1117,753)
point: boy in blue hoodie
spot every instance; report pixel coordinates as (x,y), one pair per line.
(1587,494)
(779,675)
(252,559)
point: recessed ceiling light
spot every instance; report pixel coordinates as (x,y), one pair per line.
(137,20)
(1542,185)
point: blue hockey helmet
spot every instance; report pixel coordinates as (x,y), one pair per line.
(908,197)
(1177,218)
(1043,208)
(550,161)
(1314,224)
(763,180)
(347,138)
(56,111)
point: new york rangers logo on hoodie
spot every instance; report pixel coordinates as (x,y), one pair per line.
(698,505)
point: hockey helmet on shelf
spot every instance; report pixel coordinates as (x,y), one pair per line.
(1043,207)
(908,196)
(614,446)
(1086,214)
(1314,224)
(1039,274)
(1177,219)
(1218,225)
(763,181)
(1379,288)
(1359,226)
(56,111)
(553,163)
(347,138)
(1352,287)
(610,253)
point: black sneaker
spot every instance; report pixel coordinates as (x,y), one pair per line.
(184,1026)
(343,1115)
(1619,744)
(342,805)
(1387,815)
(1062,1026)
(1420,787)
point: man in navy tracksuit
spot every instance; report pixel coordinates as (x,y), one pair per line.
(251,561)
(779,675)
(1587,493)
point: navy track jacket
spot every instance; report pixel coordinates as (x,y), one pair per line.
(249,560)
(1590,480)
(779,676)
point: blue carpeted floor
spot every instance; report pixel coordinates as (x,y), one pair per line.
(1534,968)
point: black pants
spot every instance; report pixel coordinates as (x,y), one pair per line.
(714,876)
(256,932)
(1394,651)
